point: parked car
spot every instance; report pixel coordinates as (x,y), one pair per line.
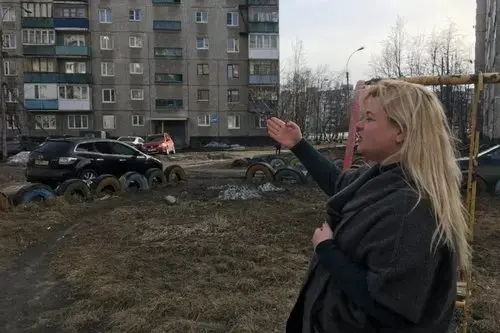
(134,141)
(57,160)
(159,144)
(488,169)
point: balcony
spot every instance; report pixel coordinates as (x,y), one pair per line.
(74,105)
(168,104)
(262,2)
(263,79)
(168,78)
(167,25)
(262,106)
(39,50)
(71,23)
(41,104)
(37,22)
(57,78)
(73,50)
(166,2)
(263,27)
(268,54)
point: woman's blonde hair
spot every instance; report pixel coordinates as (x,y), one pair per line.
(428,154)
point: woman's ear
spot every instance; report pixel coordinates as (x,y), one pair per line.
(400,135)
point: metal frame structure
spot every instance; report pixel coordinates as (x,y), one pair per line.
(479,80)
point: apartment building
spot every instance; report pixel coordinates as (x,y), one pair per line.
(487,59)
(200,70)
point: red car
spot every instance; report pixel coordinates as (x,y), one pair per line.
(159,144)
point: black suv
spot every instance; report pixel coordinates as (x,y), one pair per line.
(57,160)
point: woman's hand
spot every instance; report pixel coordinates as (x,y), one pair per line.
(287,134)
(321,234)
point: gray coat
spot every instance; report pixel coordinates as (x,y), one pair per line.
(378,223)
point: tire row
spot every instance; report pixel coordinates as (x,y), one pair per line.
(262,172)
(73,190)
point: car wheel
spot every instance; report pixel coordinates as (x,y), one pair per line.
(88,175)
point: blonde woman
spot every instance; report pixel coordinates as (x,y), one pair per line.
(386,259)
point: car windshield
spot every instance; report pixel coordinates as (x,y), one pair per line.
(54,147)
(156,139)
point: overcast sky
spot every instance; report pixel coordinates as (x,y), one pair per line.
(331,30)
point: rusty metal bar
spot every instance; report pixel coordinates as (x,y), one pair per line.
(472,189)
(488,78)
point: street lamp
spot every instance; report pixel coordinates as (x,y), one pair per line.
(3,115)
(347,64)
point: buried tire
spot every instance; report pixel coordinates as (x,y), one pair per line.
(260,172)
(156,178)
(239,163)
(290,175)
(277,163)
(105,184)
(73,190)
(4,202)
(33,193)
(133,181)
(175,174)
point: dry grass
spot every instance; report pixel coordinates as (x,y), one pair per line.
(202,265)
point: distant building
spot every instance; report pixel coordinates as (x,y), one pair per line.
(197,69)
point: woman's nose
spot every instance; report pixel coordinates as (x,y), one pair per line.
(359,126)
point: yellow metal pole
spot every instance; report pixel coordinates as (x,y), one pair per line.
(471,190)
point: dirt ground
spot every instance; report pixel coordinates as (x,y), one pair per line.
(137,264)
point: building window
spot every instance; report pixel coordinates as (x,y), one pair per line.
(167,52)
(134,15)
(106,42)
(38,91)
(12,122)
(204,120)
(39,37)
(203,69)
(138,120)
(137,94)
(233,71)
(46,122)
(37,65)
(260,122)
(108,122)
(9,68)
(104,15)
(232,19)
(135,42)
(74,92)
(263,41)
(74,40)
(12,95)
(263,68)
(168,103)
(8,14)
(168,78)
(233,122)
(202,43)
(78,121)
(233,45)
(201,17)
(71,67)
(9,41)
(136,68)
(203,95)
(37,9)
(107,69)
(108,95)
(233,96)
(72,12)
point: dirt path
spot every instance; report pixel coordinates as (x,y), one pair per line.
(29,289)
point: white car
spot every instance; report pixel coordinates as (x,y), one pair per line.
(134,141)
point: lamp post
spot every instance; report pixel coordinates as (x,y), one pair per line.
(347,64)
(3,114)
